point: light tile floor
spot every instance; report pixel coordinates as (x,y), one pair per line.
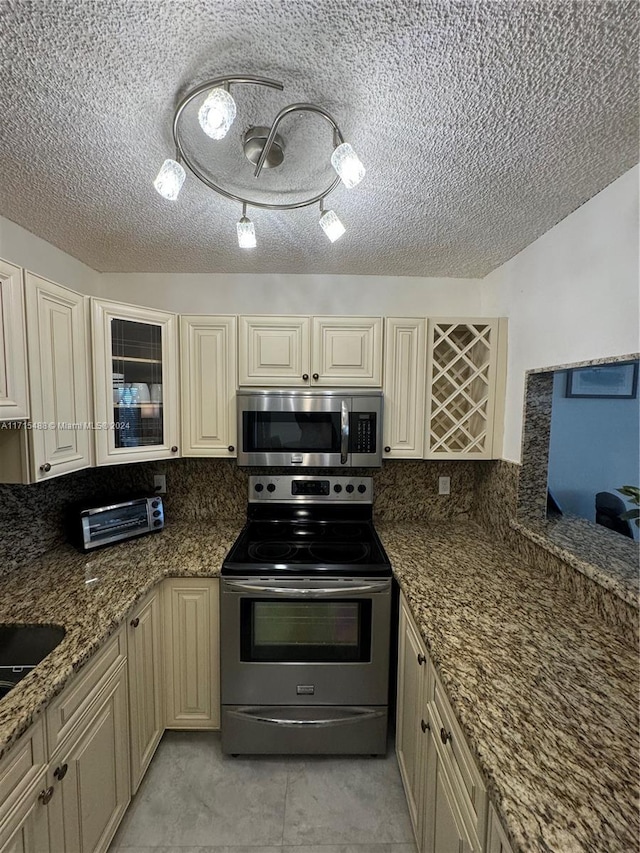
(196,800)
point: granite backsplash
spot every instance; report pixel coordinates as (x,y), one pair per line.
(32,518)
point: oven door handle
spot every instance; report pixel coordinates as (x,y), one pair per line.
(344,432)
(334,716)
(298,592)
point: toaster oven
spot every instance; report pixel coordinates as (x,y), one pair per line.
(112,522)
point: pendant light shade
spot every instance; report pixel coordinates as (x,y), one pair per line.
(217,113)
(246,233)
(170,179)
(347,164)
(331,225)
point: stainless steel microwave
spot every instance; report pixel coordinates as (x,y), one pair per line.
(310,428)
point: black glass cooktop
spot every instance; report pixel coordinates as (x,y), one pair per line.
(328,546)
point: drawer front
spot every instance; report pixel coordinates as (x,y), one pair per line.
(67,708)
(21,767)
(455,752)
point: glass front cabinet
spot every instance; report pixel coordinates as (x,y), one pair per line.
(135,383)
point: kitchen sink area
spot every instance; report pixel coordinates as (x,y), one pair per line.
(22,647)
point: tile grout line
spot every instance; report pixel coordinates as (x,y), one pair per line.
(284,810)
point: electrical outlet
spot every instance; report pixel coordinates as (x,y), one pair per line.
(444,485)
(160,484)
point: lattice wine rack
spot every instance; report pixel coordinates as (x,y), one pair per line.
(462,372)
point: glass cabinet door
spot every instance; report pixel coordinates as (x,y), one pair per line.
(135,358)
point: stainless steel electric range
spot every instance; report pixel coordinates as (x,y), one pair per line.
(305,618)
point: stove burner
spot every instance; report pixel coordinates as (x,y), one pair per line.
(271,550)
(347,552)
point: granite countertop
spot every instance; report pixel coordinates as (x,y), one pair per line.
(89,595)
(545,693)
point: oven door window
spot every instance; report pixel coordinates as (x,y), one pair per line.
(294,631)
(303,432)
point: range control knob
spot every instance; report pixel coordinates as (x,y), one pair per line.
(157,522)
(155,504)
(258,487)
(271,487)
(349,488)
(362,488)
(337,487)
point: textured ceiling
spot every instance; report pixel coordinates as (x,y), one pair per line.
(481,125)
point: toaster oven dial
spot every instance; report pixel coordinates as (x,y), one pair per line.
(155,504)
(157,523)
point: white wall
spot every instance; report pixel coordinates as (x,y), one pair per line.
(570,296)
(21,247)
(296,294)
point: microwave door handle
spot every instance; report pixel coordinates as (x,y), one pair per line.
(344,432)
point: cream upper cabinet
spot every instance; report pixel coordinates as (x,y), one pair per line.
(57,341)
(465,388)
(146,685)
(310,351)
(346,351)
(135,352)
(209,376)
(13,353)
(404,387)
(192,653)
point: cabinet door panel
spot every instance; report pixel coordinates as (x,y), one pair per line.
(347,351)
(145,685)
(94,793)
(192,654)
(27,831)
(59,359)
(404,385)
(444,830)
(273,351)
(208,363)
(410,740)
(13,355)
(136,383)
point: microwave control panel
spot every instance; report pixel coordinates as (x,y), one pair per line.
(362,432)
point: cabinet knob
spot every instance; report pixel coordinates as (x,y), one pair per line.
(61,772)
(135,622)
(231,448)
(445,736)
(46,467)
(387,449)
(305,376)
(174,449)
(316,376)
(45,796)
(421,659)
(425,726)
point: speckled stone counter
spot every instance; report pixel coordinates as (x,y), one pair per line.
(89,596)
(546,695)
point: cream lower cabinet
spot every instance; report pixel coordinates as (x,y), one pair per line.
(497,841)
(445,793)
(404,387)
(24,798)
(88,739)
(192,653)
(310,351)
(146,683)
(13,353)
(209,376)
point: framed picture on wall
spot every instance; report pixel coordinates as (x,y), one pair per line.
(603,380)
